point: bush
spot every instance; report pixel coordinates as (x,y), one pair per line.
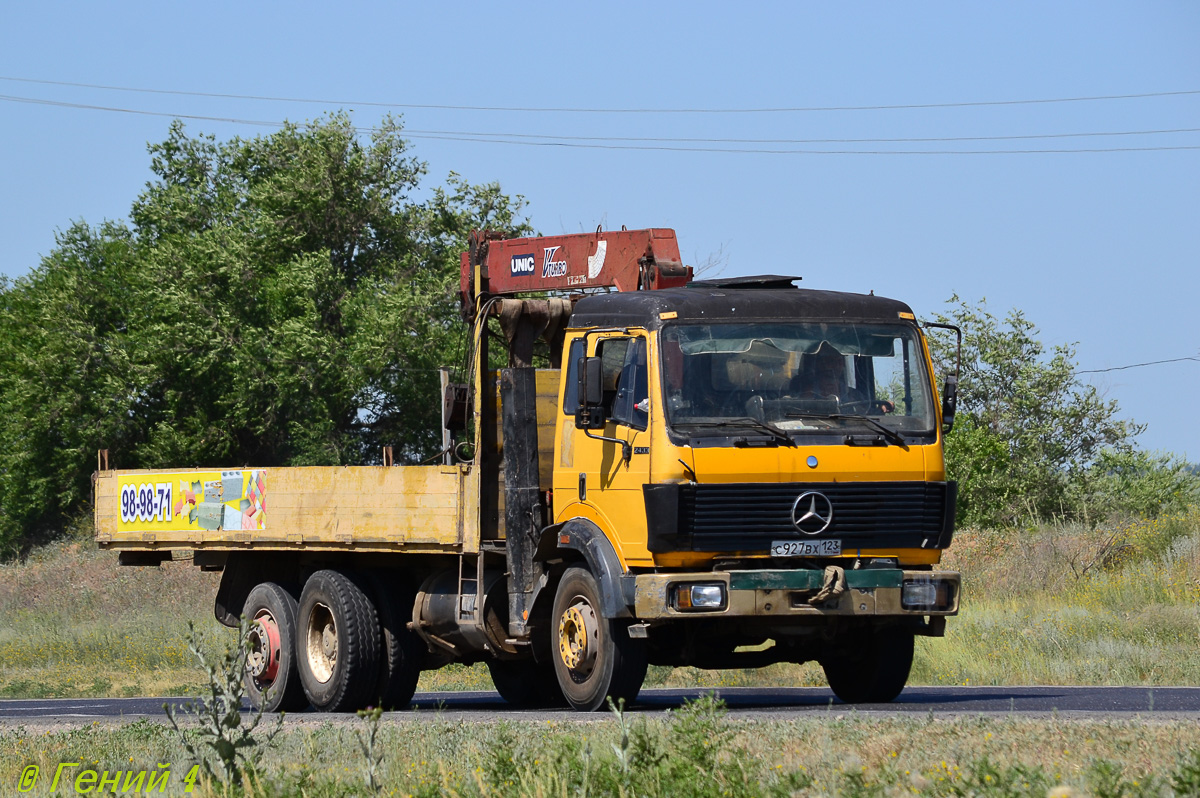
(1136,483)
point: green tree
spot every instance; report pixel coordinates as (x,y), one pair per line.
(1028,430)
(280,300)
(65,378)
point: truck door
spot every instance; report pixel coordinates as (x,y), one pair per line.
(605,481)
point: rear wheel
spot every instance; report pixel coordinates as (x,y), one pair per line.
(526,683)
(272,678)
(401,653)
(338,648)
(874,671)
(594,657)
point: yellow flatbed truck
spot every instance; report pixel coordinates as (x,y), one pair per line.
(723,473)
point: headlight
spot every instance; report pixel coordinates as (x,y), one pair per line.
(925,594)
(700,597)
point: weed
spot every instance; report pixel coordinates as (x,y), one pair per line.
(1107,780)
(621,747)
(637,748)
(1185,781)
(504,764)
(856,783)
(368,742)
(698,731)
(984,777)
(222,735)
(73,623)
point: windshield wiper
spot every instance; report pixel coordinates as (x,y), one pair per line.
(772,430)
(888,433)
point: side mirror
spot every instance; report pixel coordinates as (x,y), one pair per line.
(590,413)
(949,402)
(950,388)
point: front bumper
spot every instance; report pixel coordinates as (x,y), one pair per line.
(787,593)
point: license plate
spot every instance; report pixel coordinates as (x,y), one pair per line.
(806,548)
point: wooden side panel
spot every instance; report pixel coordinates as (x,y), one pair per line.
(414,504)
(397,508)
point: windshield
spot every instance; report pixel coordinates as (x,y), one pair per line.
(796,377)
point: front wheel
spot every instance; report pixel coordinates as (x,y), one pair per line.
(594,657)
(874,671)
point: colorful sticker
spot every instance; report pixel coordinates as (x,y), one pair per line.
(194,500)
(552,267)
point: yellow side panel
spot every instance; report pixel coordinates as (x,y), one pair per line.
(547,418)
(302,507)
(547,381)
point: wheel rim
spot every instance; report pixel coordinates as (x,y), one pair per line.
(262,658)
(321,643)
(579,638)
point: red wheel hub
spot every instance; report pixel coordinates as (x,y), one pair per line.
(262,660)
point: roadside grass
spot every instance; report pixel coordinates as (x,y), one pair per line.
(1117,604)
(1055,604)
(694,750)
(73,623)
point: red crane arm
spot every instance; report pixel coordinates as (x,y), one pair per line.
(627,260)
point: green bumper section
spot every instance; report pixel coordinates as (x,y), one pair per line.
(812,580)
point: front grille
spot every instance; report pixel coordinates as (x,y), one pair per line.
(748,516)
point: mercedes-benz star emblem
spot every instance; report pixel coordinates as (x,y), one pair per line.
(812,513)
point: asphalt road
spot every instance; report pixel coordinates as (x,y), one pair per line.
(743,702)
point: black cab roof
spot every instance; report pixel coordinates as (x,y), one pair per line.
(739,299)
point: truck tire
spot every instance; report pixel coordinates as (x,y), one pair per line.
(272,679)
(526,683)
(338,643)
(401,651)
(594,657)
(876,672)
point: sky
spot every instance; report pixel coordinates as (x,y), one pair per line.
(1100,249)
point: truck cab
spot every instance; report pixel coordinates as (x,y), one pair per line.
(765,463)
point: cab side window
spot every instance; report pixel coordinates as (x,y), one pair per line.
(632,399)
(625,379)
(611,352)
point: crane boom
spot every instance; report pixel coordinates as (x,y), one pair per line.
(626,260)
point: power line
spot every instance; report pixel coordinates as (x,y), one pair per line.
(60,104)
(759,151)
(660,139)
(596,142)
(1137,365)
(910,140)
(564,109)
